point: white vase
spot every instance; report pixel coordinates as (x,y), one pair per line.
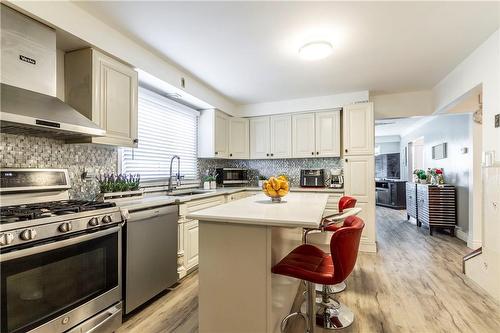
(206,185)
(213,185)
(261,182)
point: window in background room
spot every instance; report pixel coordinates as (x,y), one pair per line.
(166,128)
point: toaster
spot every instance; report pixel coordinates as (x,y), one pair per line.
(312,177)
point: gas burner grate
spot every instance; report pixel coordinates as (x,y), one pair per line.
(46,209)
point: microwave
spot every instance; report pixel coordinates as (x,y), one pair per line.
(231,176)
(312,177)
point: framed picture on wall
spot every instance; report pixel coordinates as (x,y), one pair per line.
(439,151)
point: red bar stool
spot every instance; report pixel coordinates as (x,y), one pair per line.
(313,236)
(315,266)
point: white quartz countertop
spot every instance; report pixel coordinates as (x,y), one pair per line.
(297,209)
(163,200)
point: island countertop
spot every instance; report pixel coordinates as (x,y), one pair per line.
(297,209)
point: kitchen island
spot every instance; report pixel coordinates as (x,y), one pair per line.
(239,242)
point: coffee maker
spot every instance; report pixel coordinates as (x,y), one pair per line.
(337,178)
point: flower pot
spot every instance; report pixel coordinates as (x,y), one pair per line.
(206,185)
(213,185)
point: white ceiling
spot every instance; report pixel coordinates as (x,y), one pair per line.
(248,50)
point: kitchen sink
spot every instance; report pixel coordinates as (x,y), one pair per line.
(188,192)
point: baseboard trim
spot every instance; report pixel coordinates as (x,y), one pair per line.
(368,246)
(461,235)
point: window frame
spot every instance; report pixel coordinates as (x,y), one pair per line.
(172,105)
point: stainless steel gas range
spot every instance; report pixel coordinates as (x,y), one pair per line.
(60,259)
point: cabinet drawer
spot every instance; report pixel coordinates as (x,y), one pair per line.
(204,203)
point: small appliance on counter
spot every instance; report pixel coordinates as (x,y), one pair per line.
(337,178)
(231,176)
(312,177)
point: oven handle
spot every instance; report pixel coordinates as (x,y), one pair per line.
(56,245)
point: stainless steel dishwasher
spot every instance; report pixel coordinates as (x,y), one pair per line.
(150,253)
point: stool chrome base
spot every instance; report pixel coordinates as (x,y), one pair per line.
(291,315)
(332,289)
(334,317)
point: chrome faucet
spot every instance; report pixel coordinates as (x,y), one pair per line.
(178,177)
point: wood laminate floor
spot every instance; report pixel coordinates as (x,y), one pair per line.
(413,284)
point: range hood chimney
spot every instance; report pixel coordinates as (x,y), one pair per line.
(28,83)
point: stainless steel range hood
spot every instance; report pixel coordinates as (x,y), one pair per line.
(28,112)
(28,83)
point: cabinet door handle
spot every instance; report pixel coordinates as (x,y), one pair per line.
(216,152)
(231,154)
(135,141)
(267,154)
(317,153)
(272,154)
(346,150)
(312,153)
(346,160)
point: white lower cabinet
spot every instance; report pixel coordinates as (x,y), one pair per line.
(359,182)
(191,244)
(359,177)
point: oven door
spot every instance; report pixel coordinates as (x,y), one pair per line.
(56,285)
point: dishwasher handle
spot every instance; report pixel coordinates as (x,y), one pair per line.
(141,214)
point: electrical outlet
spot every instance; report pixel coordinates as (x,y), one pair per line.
(497,120)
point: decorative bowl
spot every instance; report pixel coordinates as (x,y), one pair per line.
(276,188)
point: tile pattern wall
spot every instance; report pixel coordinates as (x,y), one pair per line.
(269,167)
(19,151)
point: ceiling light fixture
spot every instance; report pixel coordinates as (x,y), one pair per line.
(316,50)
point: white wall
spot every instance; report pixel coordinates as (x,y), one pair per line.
(302,104)
(387,144)
(482,67)
(457,165)
(67,16)
(401,105)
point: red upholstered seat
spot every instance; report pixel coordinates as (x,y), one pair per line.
(344,203)
(309,263)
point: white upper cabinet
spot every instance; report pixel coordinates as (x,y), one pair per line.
(281,136)
(105,91)
(239,146)
(328,134)
(221,131)
(358,129)
(303,134)
(271,137)
(260,137)
(213,134)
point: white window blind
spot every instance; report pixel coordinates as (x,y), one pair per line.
(165,128)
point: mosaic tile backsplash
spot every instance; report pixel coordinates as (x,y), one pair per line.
(19,151)
(268,168)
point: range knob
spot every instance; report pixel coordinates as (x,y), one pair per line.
(65,227)
(28,234)
(106,219)
(6,238)
(94,221)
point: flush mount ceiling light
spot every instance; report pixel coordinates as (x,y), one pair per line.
(315,50)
